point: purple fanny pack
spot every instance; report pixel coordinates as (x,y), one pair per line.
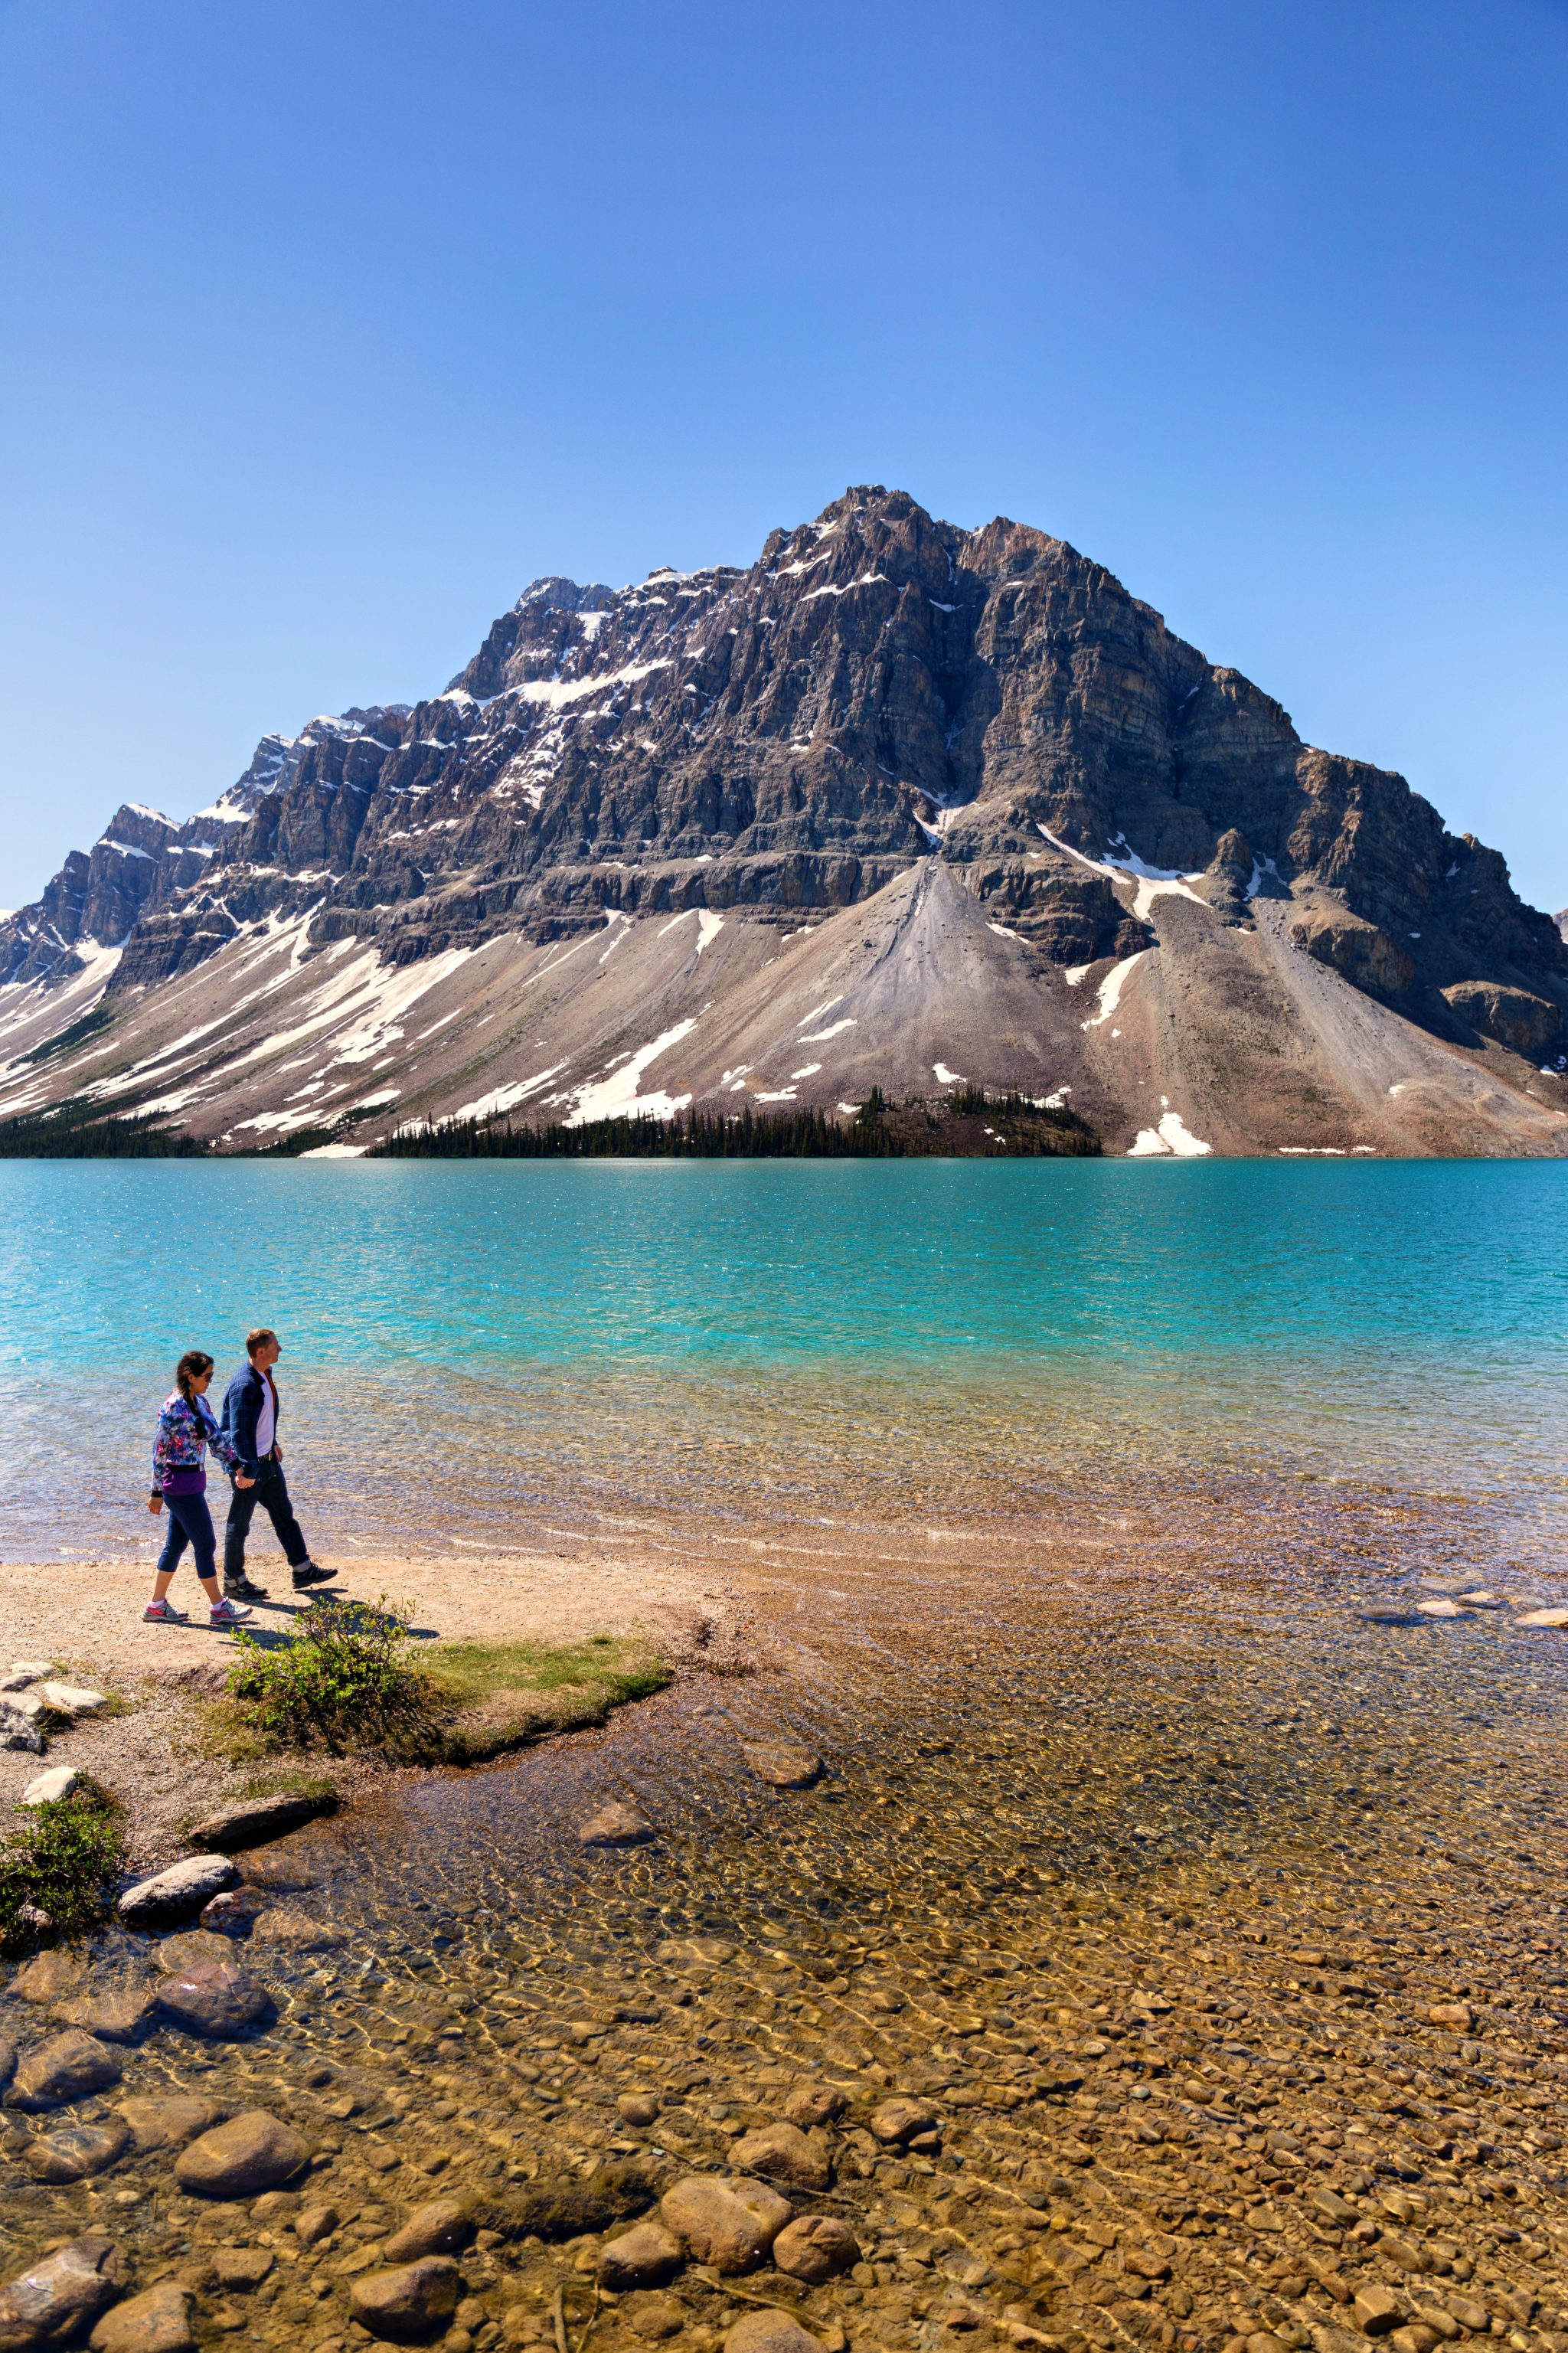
(185,1482)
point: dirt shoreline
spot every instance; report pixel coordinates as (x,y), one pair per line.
(149,1752)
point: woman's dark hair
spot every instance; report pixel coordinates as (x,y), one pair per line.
(191,1366)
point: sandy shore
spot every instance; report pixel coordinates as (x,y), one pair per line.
(90,1624)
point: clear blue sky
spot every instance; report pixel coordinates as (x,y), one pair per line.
(329,323)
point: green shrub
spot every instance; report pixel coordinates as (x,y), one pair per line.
(61,1865)
(344,1680)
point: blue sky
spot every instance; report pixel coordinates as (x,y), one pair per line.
(329,323)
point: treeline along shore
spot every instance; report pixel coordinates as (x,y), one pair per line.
(967,1123)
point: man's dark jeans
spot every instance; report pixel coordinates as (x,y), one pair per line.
(271,1491)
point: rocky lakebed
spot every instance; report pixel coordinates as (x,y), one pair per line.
(1189,1974)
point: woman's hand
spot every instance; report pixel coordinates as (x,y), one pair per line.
(241,1479)
(154,1505)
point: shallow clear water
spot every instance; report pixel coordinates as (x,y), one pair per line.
(526,1345)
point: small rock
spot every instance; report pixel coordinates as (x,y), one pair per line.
(76,2150)
(1457,2016)
(1337,2210)
(252,2152)
(616,1824)
(707,1952)
(1377,2309)
(176,1894)
(48,1789)
(294,1931)
(8,2061)
(17,1729)
(30,1670)
(659,2318)
(898,2121)
(278,2206)
(279,1875)
(770,2332)
(72,1699)
(314,2222)
(784,2153)
(412,2301)
(814,2103)
(232,1912)
(816,2247)
(255,1821)
(638,2107)
(1441,1609)
(115,2014)
(441,2227)
(240,2267)
(68,2068)
(644,2256)
(164,2123)
(783,1766)
(156,2321)
(50,1977)
(1544,1617)
(47,2304)
(214,1997)
(730,2225)
(188,1949)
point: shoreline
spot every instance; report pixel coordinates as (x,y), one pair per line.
(148,1748)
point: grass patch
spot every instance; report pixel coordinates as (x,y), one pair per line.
(493,1696)
(57,1869)
(347,1683)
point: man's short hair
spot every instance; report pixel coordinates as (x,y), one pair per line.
(259,1338)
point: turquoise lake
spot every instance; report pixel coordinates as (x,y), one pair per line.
(484,1351)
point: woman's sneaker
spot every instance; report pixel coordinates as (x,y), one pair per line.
(163,1613)
(228,1613)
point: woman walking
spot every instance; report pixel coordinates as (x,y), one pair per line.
(185,1430)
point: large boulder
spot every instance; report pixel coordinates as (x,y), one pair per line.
(816,2247)
(69,2067)
(75,2152)
(441,2227)
(254,1821)
(644,2256)
(730,2225)
(156,2321)
(252,2152)
(47,2304)
(784,2153)
(412,2301)
(164,2123)
(1514,1017)
(178,1892)
(214,1997)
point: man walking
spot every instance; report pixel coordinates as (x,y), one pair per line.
(250,1425)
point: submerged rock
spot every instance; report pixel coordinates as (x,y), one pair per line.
(410,2302)
(114,2013)
(782,1764)
(156,2321)
(784,2153)
(50,1977)
(730,2225)
(644,2256)
(250,2153)
(441,2227)
(47,2304)
(294,1931)
(165,2123)
(770,2332)
(816,2247)
(75,2152)
(897,2121)
(217,1998)
(68,2068)
(616,1824)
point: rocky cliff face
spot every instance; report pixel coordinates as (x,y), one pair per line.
(880,699)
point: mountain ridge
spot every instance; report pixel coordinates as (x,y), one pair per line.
(790,746)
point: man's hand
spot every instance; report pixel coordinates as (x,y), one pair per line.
(278,1449)
(154,1505)
(243,1478)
